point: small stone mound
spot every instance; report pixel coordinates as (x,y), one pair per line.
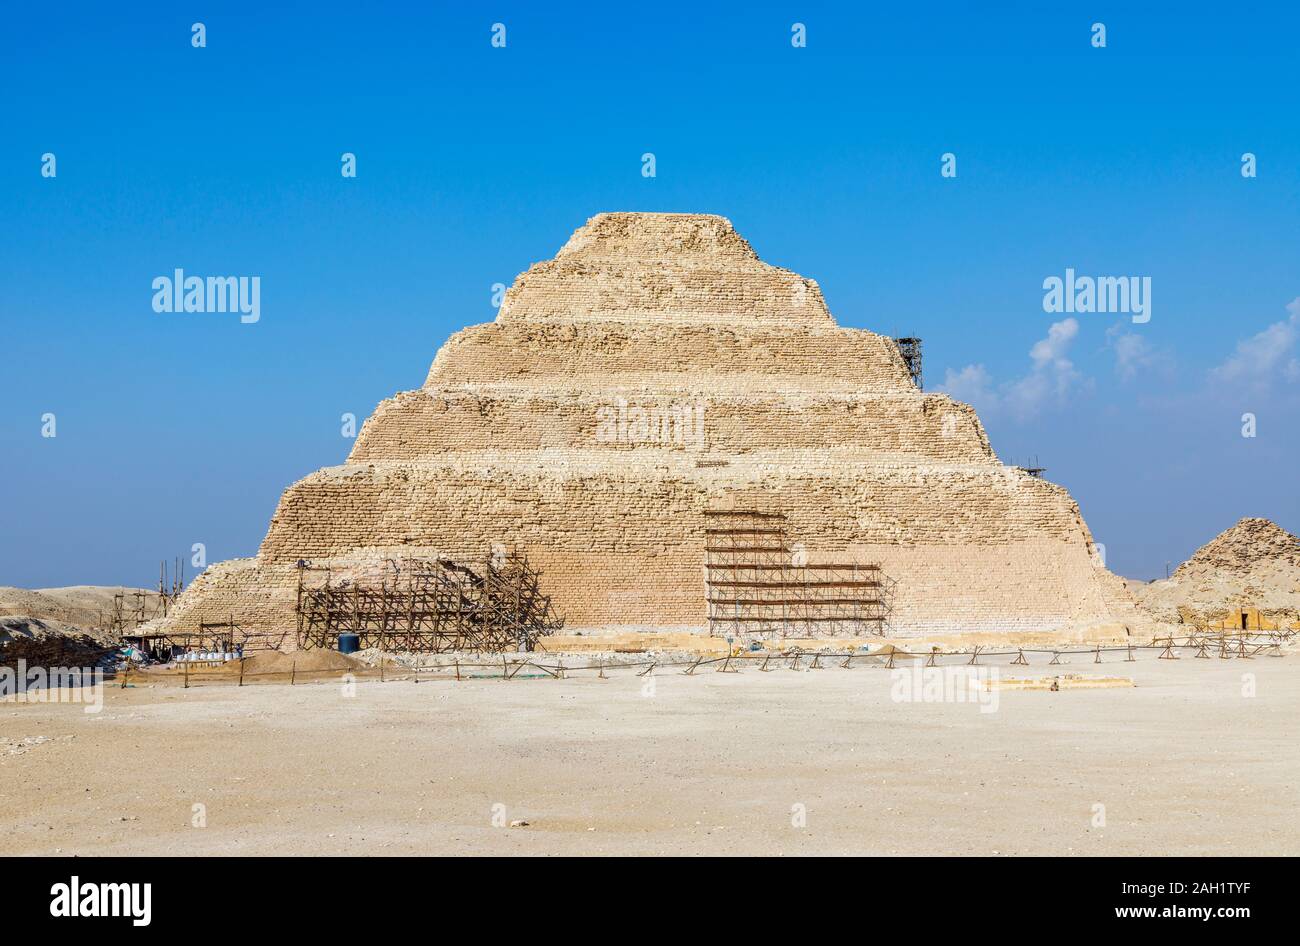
(1248,543)
(1253,565)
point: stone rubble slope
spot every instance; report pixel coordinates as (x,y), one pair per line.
(1254,564)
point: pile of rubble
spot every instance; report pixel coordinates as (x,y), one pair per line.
(1248,544)
(1254,564)
(58,651)
(23,626)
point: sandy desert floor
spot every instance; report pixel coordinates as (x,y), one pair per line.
(787,762)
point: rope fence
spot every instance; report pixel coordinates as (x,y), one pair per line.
(1242,646)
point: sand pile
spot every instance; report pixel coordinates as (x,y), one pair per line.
(273,664)
(1255,564)
(305,661)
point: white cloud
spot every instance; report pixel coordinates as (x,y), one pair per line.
(1052,349)
(1134,354)
(1051,378)
(1265,355)
(1131,353)
(972,384)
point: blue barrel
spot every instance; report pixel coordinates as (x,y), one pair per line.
(349,643)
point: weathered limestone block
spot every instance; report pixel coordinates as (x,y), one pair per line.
(598,356)
(905,428)
(661,268)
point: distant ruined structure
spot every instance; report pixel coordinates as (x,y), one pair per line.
(653,371)
(1246,576)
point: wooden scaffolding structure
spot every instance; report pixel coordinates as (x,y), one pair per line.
(910,349)
(428,606)
(756,587)
(125,615)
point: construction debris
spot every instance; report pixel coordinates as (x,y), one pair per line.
(57,651)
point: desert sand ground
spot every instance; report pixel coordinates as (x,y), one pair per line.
(714,763)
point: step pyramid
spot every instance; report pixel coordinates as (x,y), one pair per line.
(654,369)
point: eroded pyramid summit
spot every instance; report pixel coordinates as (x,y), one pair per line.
(1249,543)
(1255,564)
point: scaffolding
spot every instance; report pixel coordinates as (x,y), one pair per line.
(756,584)
(425,606)
(126,614)
(1032,467)
(910,349)
(165,645)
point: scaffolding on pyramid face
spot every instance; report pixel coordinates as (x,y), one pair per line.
(124,615)
(910,349)
(428,606)
(756,586)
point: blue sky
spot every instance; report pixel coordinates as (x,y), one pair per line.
(474,162)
